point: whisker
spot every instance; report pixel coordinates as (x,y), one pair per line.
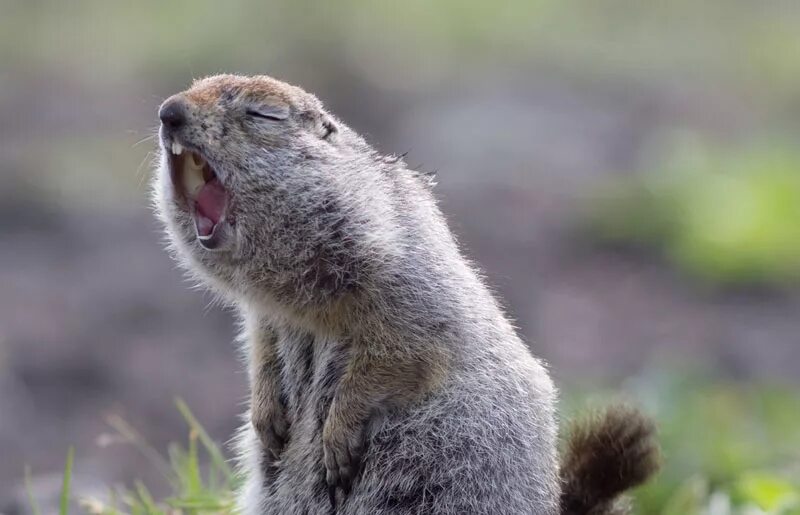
(142,176)
(152,136)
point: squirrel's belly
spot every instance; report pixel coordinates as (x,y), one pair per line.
(470,448)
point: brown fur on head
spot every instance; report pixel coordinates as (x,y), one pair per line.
(606,454)
(206,92)
(308,212)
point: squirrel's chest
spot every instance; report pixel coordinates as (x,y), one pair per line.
(310,368)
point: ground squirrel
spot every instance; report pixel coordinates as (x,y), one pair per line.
(385,378)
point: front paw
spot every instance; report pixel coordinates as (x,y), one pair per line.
(272,429)
(343,444)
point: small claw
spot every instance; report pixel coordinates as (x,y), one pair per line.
(343,452)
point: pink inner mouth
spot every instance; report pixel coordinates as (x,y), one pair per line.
(209,207)
(197,184)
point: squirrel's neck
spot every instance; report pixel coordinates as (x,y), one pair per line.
(426,294)
(399,270)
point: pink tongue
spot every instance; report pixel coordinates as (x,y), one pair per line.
(210,205)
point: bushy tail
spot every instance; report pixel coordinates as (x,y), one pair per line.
(606,454)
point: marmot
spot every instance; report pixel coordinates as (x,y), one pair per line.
(385,378)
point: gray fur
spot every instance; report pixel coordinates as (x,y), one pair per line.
(341,256)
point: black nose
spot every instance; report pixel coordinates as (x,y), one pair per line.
(173,113)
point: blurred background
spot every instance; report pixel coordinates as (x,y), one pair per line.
(626,173)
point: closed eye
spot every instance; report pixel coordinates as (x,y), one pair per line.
(270,113)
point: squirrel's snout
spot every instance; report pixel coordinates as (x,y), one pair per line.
(173,113)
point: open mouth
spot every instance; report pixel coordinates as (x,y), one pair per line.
(196,182)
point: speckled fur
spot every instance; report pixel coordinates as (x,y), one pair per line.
(379,362)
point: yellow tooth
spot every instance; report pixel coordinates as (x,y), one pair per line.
(192,177)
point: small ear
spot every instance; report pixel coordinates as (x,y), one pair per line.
(327,126)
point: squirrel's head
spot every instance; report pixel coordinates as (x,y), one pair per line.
(264,194)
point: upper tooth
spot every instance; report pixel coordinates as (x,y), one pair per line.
(192,178)
(177,149)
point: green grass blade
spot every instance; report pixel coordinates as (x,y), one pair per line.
(63,508)
(213,450)
(194,480)
(146,499)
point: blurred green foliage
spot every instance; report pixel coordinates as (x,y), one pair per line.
(729,448)
(113,41)
(731,440)
(730,217)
